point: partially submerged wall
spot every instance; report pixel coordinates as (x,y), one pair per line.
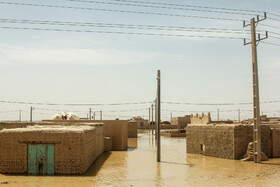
(115,129)
(141,123)
(225,141)
(181,121)
(275,142)
(75,147)
(132,129)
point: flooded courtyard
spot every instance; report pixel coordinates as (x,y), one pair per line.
(138,167)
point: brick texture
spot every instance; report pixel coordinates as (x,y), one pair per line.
(225,141)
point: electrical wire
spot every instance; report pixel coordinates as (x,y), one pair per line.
(269,43)
(124,33)
(119,11)
(127,26)
(162,7)
(193,6)
(270,26)
(72,104)
(218,104)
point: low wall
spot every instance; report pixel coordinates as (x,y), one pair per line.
(15,124)
(181,121)
(132,130)
(74,147)
(275,142)
(225,141)
(116,129)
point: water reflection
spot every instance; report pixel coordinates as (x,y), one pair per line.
(139,168)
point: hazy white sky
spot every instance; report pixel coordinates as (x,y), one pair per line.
(85,67)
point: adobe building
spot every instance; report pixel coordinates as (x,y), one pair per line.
(182,122)
(50,149)
(115,129)
(132,129)
(200,119)
(141,123)
(226,140)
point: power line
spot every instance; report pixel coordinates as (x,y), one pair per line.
(275,27)
(119,11)
(275,33)
(72,104)
(123,33)
(219,104)
(203,7)
(269,43)
(180,28)
(193,6)
(9,111)
(127,26)
(162,7)
(274,19)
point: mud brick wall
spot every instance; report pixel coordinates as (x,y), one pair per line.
(182,121)
(243,134)
(275,142)
(142,124)
(210,140)
(116,129)
(132,129)
(75,148)
(16,124)
(203,119)
(225,141)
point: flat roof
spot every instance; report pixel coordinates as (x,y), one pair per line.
(51,129)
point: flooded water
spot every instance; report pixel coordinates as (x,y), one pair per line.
(138,167)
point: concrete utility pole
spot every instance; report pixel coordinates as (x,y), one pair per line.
(100,114)
(218,116)
(149,119)
(238,115)
(31,113)
(256,100)
(19,115)
(152,119)
(158,116)
(89,113)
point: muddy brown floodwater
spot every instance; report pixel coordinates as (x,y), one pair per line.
(138,167)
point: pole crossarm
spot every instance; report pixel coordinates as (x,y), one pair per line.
(259,35)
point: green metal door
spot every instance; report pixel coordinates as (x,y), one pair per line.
(41,159)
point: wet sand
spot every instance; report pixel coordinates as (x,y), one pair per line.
(138,167)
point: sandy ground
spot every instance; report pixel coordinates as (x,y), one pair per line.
(138,167)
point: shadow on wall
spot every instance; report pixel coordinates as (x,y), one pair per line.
(97,164)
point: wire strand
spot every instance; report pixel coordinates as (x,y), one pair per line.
(72,104)
(194,6)
(127,26)
(269,43)
(124,33)
(119,11)
(162,7)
